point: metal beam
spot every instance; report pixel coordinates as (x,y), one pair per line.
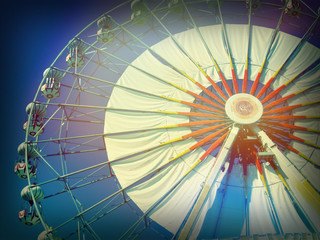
(224,152)
(298,183)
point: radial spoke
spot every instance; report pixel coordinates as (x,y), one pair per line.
(147,93)
(187,124)
(184,51)
(282,99)
(74,152)
(86,91)
(275,32)
(176,69)
(291,56)
(288,117)
(198,114)
(275,168)
(151,94)
(144,177)
(245,77)
(77,187)
(210,179)
(89,114)
(84,143)
(234,79)
(292,149)
(74,173)
(215,86)
(73,120)
(289,108)
(303,141)
(295,127)
(154,205)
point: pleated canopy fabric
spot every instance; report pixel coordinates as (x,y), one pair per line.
(226,211)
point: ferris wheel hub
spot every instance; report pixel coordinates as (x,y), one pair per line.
(244,108)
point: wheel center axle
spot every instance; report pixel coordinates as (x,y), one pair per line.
(244,108)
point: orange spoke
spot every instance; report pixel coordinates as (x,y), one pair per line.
(288,108)
(265,87)
(302,140)
(298,127)
(278,101)
(211,94)
(290,117)
(256,81)
(195,105)
(201,131)
(204,99)
(207,139)
(214,145)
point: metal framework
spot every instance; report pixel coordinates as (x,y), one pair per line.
(72,159)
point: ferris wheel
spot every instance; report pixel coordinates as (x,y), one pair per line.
(179,120)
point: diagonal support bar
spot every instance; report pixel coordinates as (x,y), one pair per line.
(301,184)
(224,152)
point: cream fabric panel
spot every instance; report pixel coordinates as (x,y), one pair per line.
(172,211)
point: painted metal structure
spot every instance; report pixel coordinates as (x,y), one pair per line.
(182,120)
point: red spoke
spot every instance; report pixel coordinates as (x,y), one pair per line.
(201,131)
(197,96)
(215,86)
(204,99)
(214,145)
(265,87)
(195,105)
(287,108)
(256,81)
(298,127)
(277,102)
(280,100)
(207,139)
(290,117)
(291,136)
(302,140)
(210,93)
(272,94)
(292,149)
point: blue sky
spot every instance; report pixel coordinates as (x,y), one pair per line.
(33,34)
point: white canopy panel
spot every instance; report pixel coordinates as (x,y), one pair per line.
(226,212)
